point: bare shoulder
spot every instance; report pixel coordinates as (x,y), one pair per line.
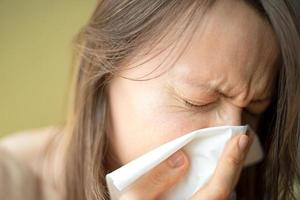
(29,145)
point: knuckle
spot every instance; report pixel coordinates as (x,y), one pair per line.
(234,160)
(157,178)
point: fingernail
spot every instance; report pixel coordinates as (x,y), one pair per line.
(243,142)
(176,160)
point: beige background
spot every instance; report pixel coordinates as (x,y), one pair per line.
(35,57)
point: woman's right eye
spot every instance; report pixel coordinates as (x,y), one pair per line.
(201,108)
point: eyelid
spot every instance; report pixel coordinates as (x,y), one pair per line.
(197,106)
(202,108)
(194,102)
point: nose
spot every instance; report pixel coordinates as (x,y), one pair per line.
(228,115)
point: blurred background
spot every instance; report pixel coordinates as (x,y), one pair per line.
(35,60)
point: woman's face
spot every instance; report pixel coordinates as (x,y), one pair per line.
(229,68)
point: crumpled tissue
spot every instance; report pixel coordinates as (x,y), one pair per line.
(203,147)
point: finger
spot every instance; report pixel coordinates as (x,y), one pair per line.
(230,164)
(228,169)
(159,179)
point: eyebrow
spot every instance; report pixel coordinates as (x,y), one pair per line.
(210,89)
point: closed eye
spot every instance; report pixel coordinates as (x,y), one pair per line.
(202,108)
(255,109)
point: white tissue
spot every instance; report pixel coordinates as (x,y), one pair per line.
(203,147)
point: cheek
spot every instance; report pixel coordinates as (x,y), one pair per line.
(141,120)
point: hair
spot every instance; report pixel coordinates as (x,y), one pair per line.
(120,29)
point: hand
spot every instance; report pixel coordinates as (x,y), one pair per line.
(153,184)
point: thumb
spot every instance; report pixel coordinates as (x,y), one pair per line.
(151,185)
(228,170)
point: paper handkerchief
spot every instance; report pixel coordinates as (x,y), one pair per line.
(203,147)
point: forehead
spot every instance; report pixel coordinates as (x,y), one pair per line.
(233,46)
(233,49)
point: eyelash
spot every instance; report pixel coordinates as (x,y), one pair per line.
(202,108)
(205,107)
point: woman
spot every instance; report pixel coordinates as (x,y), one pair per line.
(151,71)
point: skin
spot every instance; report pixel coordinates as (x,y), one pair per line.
(229,69)
(233,52)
